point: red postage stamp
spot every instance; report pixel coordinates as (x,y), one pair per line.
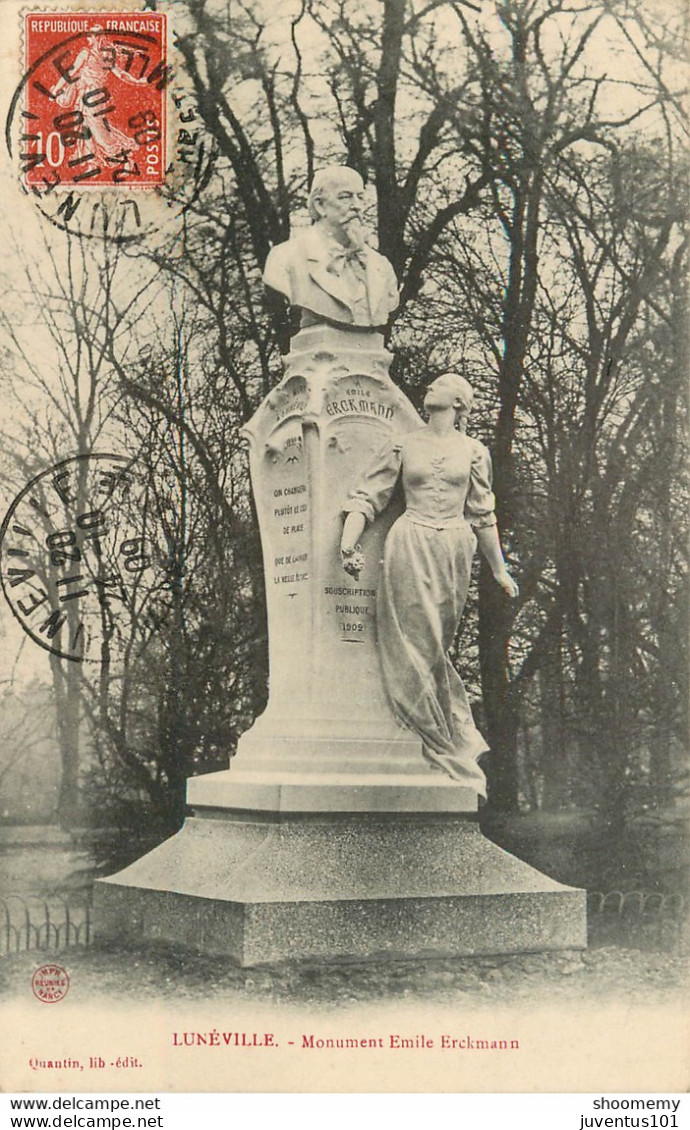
(95,100)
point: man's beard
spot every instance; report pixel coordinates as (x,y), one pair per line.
(354,229)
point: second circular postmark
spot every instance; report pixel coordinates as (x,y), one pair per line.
(79,560)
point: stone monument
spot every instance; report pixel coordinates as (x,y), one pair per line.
(330,836)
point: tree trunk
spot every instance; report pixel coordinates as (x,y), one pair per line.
(555,760)
(67,684)
(500,706)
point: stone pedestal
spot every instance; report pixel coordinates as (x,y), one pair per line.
(330,836)
(309,442)
(328,741)
(260,889)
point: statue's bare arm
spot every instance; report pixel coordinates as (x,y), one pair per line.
(352,531)
(490,547)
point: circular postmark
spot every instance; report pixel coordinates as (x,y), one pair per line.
(50,983)
(79,561)
(106,133)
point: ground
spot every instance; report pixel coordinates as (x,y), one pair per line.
(607,973)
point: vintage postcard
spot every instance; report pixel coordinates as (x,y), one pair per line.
(343,547)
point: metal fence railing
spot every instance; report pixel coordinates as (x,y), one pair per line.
(28,922)
(636,918)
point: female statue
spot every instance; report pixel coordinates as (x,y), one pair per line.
(446,479)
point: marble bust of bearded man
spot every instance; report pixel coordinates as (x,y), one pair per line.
(328,271)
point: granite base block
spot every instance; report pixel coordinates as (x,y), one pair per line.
(262,890)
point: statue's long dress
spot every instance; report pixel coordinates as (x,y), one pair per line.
(424,584)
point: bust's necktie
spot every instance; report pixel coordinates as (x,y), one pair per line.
(348,257)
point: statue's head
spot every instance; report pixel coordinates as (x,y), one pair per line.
(450,390)
(336,201)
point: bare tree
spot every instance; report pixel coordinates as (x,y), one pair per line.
(64,408)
